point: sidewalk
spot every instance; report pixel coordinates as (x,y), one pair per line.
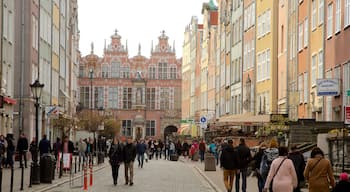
(215,178)
(6,177)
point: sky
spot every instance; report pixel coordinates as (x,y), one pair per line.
(137,21)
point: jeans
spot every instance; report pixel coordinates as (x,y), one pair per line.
(9,158)
(21,155)
(244,179)
(115,170)
(129,167)
(261,183)
(201,153)
(140,159)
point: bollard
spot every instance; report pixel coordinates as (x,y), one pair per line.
(11,187)
(75,165)
(30,175)
(79,163)
(91,175)
(85,178)
(22,177)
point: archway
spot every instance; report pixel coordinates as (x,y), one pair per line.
(138,133)
(168,132)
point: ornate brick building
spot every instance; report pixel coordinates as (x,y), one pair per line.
(144,94)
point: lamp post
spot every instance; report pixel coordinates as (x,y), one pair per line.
(36,89)
(91,75)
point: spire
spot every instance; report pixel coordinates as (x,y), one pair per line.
(174,46)
(92,47)
(139,53)
(126,45)
(152,46)
(105,48)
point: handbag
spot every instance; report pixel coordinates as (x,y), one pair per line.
(271,183)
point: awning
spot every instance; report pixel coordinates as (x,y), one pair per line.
(9,100)
(244,120)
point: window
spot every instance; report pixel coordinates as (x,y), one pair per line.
(81,71)
(85,96)
(337,16)
(115,69)
(127,98)
(330,20)
(113,97)
(152,72)
(313,16)
(263,65)
(282,38)
(320,65)
(320,11)
(162,70)
(306,32)
(264,23)
(99,97)
(313,69)
(347,13)
(173,73)
(35,31)
(300,88)
(306,87)
(151,98)
(300,41)
(126,128)
(164,98)
(105,71)
(124,72)
(150,128)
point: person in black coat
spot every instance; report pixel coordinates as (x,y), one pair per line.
(141,148)
(116,157)
(244,157)
(229,163)
(67,145)
(299,165)
(129,158)
(343,185)
(44,145)
(22,148)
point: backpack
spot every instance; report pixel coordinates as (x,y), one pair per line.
(266,163)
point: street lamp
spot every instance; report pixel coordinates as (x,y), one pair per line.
(36,89)
(91,75)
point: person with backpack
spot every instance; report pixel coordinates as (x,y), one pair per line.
(229,161)
(282,176)
(244,157)
(269,155)
(299,165)
(213,150)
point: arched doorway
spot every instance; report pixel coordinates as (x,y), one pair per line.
(138,133)
(168,132)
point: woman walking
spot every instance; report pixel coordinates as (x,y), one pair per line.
(282,176)
(115,158)
(318,172)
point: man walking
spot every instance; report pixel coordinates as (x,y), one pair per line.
(22,148)
(244,158)
(129,158)
(44,145)
(202,148)
(141,149)
(228,161)
(115,158)
(82,149)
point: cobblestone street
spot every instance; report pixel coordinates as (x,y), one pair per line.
(156,175)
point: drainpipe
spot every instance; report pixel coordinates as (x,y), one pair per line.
(21,104)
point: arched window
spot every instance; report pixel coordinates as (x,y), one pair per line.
(115,65)
(162,70)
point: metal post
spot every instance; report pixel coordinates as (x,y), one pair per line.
(36,168)
(75,164)
(11,186)
(22,177)
(343,168)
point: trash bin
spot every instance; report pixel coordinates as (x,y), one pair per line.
(209,162)
(174,157)
(45,167)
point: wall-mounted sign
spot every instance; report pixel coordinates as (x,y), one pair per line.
(328,87)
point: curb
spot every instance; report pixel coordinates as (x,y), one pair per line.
(66,181)
(211,183)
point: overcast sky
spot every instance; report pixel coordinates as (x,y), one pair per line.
(138,21)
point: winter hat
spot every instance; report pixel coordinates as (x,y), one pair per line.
(343,177)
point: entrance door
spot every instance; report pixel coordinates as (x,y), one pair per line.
(138,133)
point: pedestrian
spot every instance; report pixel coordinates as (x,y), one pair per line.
(202,148)
(33,149)
(67,145)
(141,148)
(178,148)
(151,149)
(3,146)
(160,148)
(282,176)
(82,149)
(343,185)
(129,158)
(257,161)
(229,162)
(270,154)
(10,150)
(185,148)
(244,158)
(22,148)
(213,149)
(299,165)
(156,149)
(318,172)
(57,147)
(44,145)
(171,148)
(116,157)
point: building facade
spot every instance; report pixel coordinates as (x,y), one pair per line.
(143,94)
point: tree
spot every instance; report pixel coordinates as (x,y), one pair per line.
(111,127)
(89,120)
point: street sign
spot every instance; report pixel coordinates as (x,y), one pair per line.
(347,114)
(203,120)
(348,92)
